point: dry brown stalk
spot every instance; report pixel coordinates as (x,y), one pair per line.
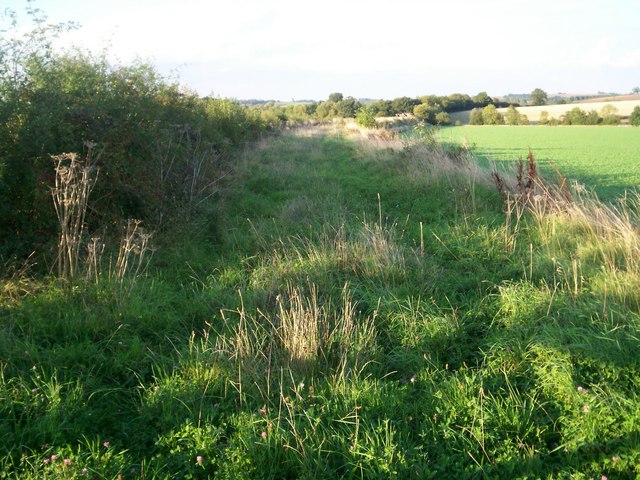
(74,181)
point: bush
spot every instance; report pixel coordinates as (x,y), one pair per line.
(513,117)
(348,107)
(442,118)
(491,116)
(160,147)
(544,118)
(610,115)
(366,118)
(634,118)
(425,113)
(475,117)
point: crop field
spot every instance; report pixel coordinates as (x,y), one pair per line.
(606,159)
(625,107)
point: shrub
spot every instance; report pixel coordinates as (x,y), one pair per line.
(348,107)
(491,116)
(425,113)
(634,118)
(513,117)
(366,118)
(610,115)
(475,117)
(575,116)
(544,118)
(442,118)
(160,147)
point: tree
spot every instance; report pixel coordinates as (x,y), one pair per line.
(326,110)
(442,118)
(636,90)
(538,97)
(634,118)
(592,118)
(458,102)
(475,117)
(575,116)
(544,118)
(403,104)
(380,108)
(512,116)
(425,112)
(610,115)
(366,117)
(482,99)
(491,116)
(348,107)
(336,97)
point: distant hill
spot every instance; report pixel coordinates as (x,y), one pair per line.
(615,98)
(564,97)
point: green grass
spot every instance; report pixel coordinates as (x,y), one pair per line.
(306,326)
(605,159)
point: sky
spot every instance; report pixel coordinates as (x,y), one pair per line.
(294,49)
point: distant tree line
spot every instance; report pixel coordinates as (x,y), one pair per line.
(431,109)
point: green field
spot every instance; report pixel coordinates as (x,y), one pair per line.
(606,159)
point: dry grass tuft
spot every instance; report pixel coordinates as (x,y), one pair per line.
(304,335)
(608,233)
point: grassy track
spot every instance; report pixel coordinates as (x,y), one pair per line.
(345,309)
(606,159)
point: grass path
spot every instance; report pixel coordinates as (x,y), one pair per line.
(345,309)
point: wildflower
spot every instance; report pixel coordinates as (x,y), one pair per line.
(54,458)
(615,459)
(585,409)
(410,418)
(34,390)
(216,405)
(263,410)
(264,434)
(46,461)
(106,444)
(604,477)
(199,459)
(66,462)
(85,471)
(581,390)
(413,378)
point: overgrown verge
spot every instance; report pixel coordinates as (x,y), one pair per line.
(160,150)
(368,310)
